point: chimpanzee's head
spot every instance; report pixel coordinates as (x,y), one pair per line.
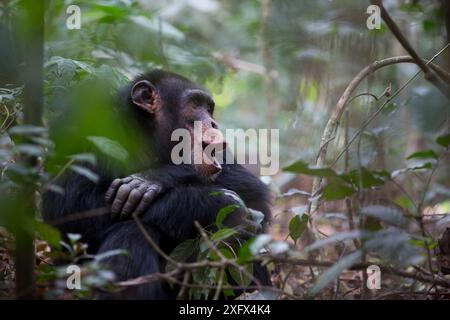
(165,102)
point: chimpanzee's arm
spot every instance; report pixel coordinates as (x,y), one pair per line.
(183,197)
(175,211)
(135,193)
(65,210)
(250,188)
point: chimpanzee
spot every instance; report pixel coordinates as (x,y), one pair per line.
(169,198)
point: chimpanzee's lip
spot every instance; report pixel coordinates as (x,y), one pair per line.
(216,165)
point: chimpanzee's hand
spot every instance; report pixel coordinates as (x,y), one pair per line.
(244,220)
(131,194)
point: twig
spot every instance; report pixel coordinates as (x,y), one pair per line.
(429,74)
(342,103)
(152,242)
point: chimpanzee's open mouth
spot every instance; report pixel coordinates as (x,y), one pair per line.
(210,158)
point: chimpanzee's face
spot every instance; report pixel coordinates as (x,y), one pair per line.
(180,105)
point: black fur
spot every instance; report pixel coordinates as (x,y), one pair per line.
(170,219)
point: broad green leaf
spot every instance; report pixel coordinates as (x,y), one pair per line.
(30,150)
(303,167)
(47,232)
(223,234)
(154,25)
(444,140)
(27,130)
(425,154)
(366,178)
(110,253)
(294,191)
(336,191)
(110,148)
(84,157)
(182,252)
(242,279)
(85,172)
(223,213)
(297,225)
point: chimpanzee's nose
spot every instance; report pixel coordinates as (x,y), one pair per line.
(214,124)
(218,146)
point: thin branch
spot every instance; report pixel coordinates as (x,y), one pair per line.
(342,103)
(429,74)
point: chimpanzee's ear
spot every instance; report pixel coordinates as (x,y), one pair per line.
(146,96)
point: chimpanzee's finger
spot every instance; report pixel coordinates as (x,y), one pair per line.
(109,196)
(119,200)
(115,185)
(133,200)
(130,203)
(147,199)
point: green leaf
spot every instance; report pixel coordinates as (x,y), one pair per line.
(337,191)
(30,150)
(302,167)
(85,172)
(161,26)
(297,225)
(110,148)
(426,165)
(227,253)
(444,140)
(111,253)
(47,232)
(241,278)
(245,253)
(223,234)
(223,213)
(27,130)
(182,252)
(366,177)
(84,157)
(426,154)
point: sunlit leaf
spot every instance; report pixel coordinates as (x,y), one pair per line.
(444,140)
(303,167)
